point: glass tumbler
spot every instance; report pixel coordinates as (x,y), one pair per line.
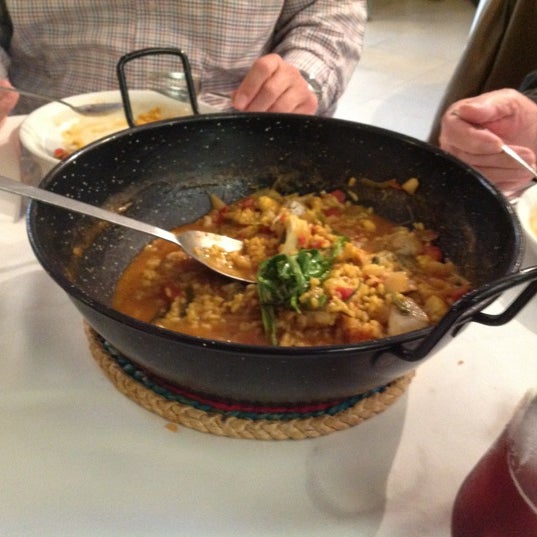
(499,496)
(173,84)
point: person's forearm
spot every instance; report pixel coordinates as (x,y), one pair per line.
(324,40)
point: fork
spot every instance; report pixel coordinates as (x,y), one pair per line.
(92,109)
(513,196)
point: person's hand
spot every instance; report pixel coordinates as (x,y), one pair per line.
(272,85)
(474,130)
(7,100)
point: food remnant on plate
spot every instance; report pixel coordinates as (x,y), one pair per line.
(533,221)
(89,129)
(328,271)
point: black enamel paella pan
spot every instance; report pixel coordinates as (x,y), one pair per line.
(163,173)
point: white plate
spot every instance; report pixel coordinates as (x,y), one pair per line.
(526,208)
(54,125)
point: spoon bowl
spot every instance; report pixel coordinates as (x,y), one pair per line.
(197,244)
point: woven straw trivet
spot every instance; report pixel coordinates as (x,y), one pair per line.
(296,424)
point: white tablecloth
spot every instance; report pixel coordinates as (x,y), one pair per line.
(77,458)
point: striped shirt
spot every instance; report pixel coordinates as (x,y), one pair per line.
(66,47)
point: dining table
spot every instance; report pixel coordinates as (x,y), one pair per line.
(78,458)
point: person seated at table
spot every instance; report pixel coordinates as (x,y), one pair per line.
(278,56)
(473,130)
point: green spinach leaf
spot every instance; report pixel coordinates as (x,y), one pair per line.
(283,278)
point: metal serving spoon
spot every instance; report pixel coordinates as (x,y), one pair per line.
(92,109)
(194,243)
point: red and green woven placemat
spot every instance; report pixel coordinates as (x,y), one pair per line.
(239,420)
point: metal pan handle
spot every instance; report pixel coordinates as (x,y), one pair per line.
(469,309)
(152,51)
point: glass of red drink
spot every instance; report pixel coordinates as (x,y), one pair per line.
(499,496)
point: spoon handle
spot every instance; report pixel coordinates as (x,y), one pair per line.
(515,156)
(38,96)
(28,94)
(40,194)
